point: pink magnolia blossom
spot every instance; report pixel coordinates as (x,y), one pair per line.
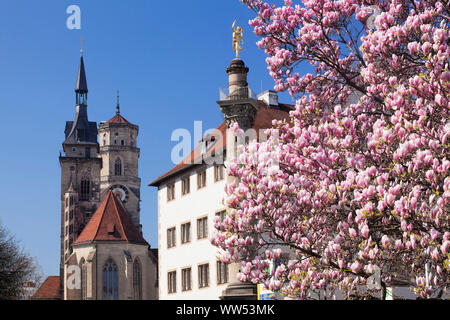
(365,148)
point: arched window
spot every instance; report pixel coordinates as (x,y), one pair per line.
(104,139)
(118,167)
(83,280)
(110,281)
(137,280)
(85,188)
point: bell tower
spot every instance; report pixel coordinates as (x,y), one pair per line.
(120,155)
(80,164)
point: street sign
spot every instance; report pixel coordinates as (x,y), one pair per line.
(264,293)
(389,293)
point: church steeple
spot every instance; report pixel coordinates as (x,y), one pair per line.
(81,130)
(81,88)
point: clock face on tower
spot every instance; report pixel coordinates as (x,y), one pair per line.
(122,191)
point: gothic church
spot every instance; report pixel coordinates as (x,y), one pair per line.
(103,253)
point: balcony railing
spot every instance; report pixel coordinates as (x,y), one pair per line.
(241,93)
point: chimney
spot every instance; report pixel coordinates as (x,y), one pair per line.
(269,97)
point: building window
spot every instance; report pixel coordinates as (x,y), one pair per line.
(218,172)
(118,167)
(203,275)
(185,185)
(83,280)
(221,215)
(170,192)
(222,272)
(122,142)
(172,281)
(186,279)
(201,179)
(171,237)
(110,281)
(85,188)
(71,200)
(74,149)
(71,215)
(71,229)
(137,280)
(104,139)
(202,228)
(186,232)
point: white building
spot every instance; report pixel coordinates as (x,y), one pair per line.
(190,197)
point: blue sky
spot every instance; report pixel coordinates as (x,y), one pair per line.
(168,60)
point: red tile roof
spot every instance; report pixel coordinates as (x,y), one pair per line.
(118,119)
(263,120)
(49,290)
(110,222)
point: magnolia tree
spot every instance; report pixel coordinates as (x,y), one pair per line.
(362,187)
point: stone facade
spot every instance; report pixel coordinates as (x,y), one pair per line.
(120,157)
(90,174)
(94,259)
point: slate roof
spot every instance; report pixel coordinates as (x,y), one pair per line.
(81,85)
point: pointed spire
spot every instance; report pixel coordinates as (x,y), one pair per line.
(81,88)
(71,189)
(118,105)
(81,80)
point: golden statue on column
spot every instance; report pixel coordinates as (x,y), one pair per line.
(237,34)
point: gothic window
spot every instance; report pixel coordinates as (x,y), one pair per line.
(110,281)
(137,280)
(104,139)
(83,280)
(85,188)
(118,167)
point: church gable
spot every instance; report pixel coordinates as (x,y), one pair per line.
(110,222)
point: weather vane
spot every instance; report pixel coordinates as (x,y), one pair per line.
(237,34)
(82,46)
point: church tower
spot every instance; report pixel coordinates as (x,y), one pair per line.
(80,171)
(120,155)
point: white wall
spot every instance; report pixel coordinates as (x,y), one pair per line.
(187,208)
